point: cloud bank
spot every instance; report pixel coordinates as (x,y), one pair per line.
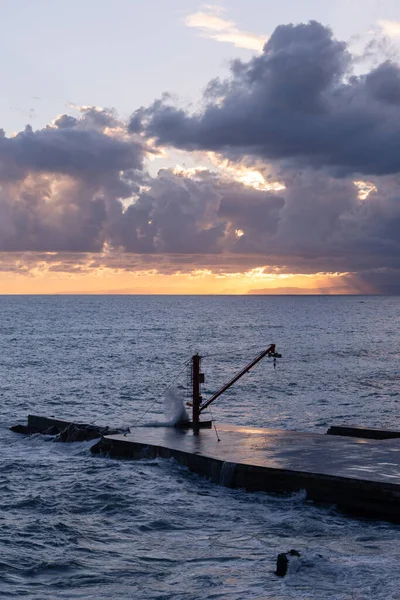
(299,102)
(296,114)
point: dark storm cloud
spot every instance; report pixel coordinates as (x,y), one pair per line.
(383,83)
(179,223)
(67,150)
(61,186)
(296,113)
(175,215)
(202,215)
(252,217)
(86,262)
(63,190)
(323,226)
(297,101)
(317,224)
(250,209)
(91,118)
(51,215)
(65,122)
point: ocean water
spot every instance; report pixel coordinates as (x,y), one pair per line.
(77,526)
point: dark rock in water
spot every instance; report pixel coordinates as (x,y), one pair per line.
(80,433)
(63,430)
(24,429)
(29,430)
(282,562)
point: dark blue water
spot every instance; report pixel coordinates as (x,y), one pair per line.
(77,526)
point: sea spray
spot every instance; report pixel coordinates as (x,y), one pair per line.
(174,407)
(174,410)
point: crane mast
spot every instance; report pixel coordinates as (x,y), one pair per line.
(198,379)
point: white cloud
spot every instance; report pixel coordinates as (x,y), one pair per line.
(391,28)
(208,21)
(214,27)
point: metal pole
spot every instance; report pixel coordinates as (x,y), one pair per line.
(196,391)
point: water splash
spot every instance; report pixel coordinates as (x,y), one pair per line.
(174,410)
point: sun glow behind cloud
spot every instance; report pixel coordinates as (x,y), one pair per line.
(199,281)
(54,273)
(365,188)
(240,173)
(254,179)
(391,28)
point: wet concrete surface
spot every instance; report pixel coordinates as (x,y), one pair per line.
(375,460)
(361,476)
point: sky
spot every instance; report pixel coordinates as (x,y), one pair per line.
(180,147)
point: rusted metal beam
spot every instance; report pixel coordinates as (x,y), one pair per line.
(196,397)
(270,351)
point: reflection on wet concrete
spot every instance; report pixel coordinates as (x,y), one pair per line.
(362,474)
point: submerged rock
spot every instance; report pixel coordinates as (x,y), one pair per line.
(283,560)
(24,429)
(81,433)
(29,430)
(64,431)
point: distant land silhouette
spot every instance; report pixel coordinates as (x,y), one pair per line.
(296,291)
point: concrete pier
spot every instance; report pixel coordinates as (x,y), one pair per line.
(372,433)
(357,474)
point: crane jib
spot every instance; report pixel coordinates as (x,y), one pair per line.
(270,351)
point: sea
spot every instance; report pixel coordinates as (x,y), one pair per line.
(78,526)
